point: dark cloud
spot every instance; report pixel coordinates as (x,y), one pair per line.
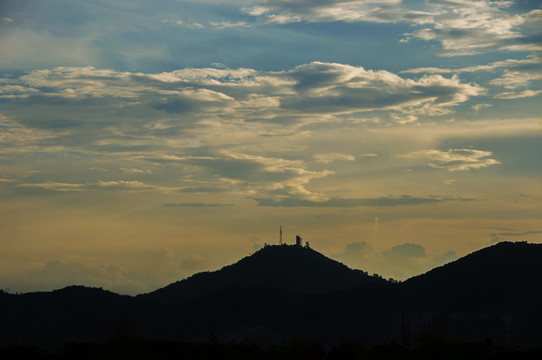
(346,203)
(496,237)
(177,106)
(499,228)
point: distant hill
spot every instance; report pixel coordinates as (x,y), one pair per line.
(506,275)
(285,267)
(291,292)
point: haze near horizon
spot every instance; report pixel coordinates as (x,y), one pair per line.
(143,142)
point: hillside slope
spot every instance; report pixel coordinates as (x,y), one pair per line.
(285,267)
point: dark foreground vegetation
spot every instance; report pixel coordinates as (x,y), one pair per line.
(142,348)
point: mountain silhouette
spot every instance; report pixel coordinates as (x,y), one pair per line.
(291,292)
(285,267)
(502,276)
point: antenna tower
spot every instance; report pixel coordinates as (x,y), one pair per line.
(280,239)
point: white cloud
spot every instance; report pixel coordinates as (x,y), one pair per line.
(515,73)
(189,25)
(7,20)
(331,157)
(226,24)
(514,95)
(292,179)
(56,186)
(123,185)
(463,27)
(469,27)
(479,107)
(136,171)
(310,88)
(455,159)
(380,11)
(120,185)
(337,88)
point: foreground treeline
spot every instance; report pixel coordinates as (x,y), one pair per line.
(140,348)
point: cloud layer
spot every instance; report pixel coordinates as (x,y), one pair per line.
(462,27)
(399,262)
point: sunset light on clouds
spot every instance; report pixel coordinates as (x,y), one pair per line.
(142,142)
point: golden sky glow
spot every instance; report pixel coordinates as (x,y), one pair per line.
(143,142)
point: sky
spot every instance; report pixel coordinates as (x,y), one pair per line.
(144,141)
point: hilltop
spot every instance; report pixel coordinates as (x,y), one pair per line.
(280,267)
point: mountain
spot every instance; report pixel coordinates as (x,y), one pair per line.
(504,276)
(284,267)
(291,292)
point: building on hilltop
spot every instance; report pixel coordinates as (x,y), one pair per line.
(298,240)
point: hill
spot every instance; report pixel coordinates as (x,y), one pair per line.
(503,276)
(290,292)
(284,267)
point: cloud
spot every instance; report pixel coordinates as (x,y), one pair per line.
(307,89)
(469,27)
(479,107)
(532,65)
(192,264)
(331,157)
(514,74)
(189,25)
(152,269)
(195,205)
(249,174)
(379,11)
(337,88)
(400,254)
(454,159)
(56,186)
(399,262)
(120,185)
(462,27)
(7,20)
(267,176)
(169,122)
(226,24)
(17,138)
(202,189)
(520,95)
(496,236)
(57,274)
(136,171)
(400,200)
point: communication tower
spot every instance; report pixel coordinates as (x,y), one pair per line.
(280,238)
